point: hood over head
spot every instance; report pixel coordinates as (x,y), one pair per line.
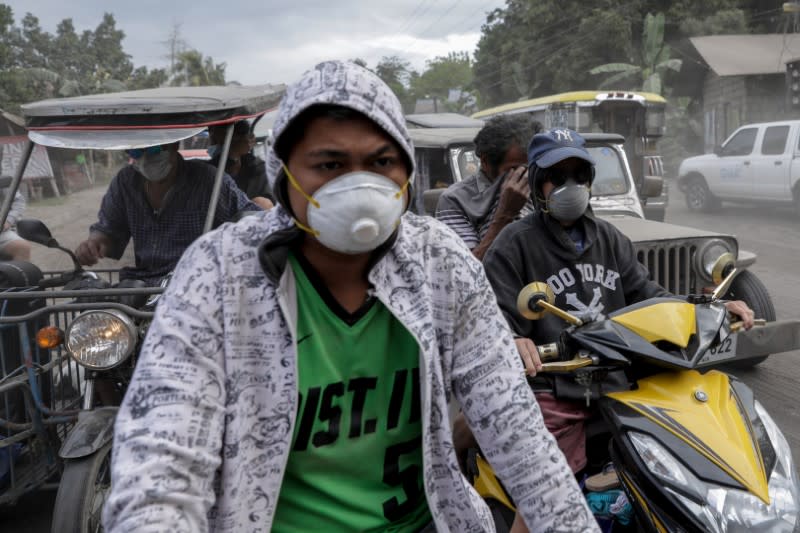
(344,84)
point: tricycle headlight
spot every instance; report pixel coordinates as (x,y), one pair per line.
(708,256)
(101,339)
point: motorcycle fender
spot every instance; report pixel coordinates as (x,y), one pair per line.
(93,429)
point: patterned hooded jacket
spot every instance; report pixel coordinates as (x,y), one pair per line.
(203,436)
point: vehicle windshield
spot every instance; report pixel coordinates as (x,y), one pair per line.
(468,162)
(609,174)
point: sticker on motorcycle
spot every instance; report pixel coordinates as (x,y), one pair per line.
(725,349)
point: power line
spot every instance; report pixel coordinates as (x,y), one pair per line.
(410,19)
(540,58)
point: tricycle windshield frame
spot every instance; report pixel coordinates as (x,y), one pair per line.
(111,139)
(136,119)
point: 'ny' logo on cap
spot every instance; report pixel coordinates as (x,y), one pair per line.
(563,135)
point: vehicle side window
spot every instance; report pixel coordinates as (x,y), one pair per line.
(438,174)
(741,143)
(774,142)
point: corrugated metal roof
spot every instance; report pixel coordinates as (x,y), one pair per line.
(442,137)
(14,119)
(743,55)
(442,120)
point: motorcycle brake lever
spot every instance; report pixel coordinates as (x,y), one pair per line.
(739,325)
(573,364)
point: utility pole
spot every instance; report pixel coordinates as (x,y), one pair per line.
(794,9)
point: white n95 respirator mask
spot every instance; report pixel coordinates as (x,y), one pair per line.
(353,213)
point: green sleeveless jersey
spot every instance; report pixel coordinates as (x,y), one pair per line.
(356,457)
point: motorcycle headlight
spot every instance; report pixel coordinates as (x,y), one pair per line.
(709,254)
(100,340)
(723,510)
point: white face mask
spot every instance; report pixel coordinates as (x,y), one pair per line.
(355,212)
(154,167)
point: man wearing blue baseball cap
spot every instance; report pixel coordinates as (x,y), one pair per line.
(591,267)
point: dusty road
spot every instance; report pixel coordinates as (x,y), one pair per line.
(771,233)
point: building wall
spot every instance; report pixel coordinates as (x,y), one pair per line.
(766,98)
(731,101)
(724,107)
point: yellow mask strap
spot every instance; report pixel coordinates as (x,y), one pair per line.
(311,200)
(299,189)
(402,192)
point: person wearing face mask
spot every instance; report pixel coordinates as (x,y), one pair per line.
(311,351)
(247,170)
(481,205)
(591,267)
(160,201)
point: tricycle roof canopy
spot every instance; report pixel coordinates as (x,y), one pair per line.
(166,107)
(135,119)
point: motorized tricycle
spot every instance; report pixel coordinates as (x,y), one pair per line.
(686,447)
(70,339)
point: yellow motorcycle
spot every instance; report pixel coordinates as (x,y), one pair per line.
(691,447)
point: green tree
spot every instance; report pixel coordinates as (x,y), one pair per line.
(108,50)
(545,46)
(443,74)
(194,69)
(653,61)
(537,47)
(34,44)
(6,29)
(142,78)
(397,74)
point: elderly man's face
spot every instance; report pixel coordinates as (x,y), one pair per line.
(515,157)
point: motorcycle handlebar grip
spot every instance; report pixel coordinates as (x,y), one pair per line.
(52,282)
(548,352)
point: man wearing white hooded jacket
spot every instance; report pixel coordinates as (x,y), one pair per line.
(297,374)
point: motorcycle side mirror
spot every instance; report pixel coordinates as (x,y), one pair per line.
(722,267)
(723,287)
(537,298)
(36,231)
(653,186)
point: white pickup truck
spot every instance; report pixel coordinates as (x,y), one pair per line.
(757,163)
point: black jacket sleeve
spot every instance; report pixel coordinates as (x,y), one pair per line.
(504,267)
(259,177)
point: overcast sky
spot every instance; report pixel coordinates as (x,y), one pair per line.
(276,40)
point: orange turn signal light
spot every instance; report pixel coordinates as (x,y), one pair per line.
(49,337)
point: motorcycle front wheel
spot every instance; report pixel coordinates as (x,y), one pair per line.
(84,486)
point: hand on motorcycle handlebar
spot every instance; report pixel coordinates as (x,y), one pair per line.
(530,356)
(90,251)
(743,311)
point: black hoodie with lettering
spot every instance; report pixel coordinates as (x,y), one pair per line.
(602,278)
